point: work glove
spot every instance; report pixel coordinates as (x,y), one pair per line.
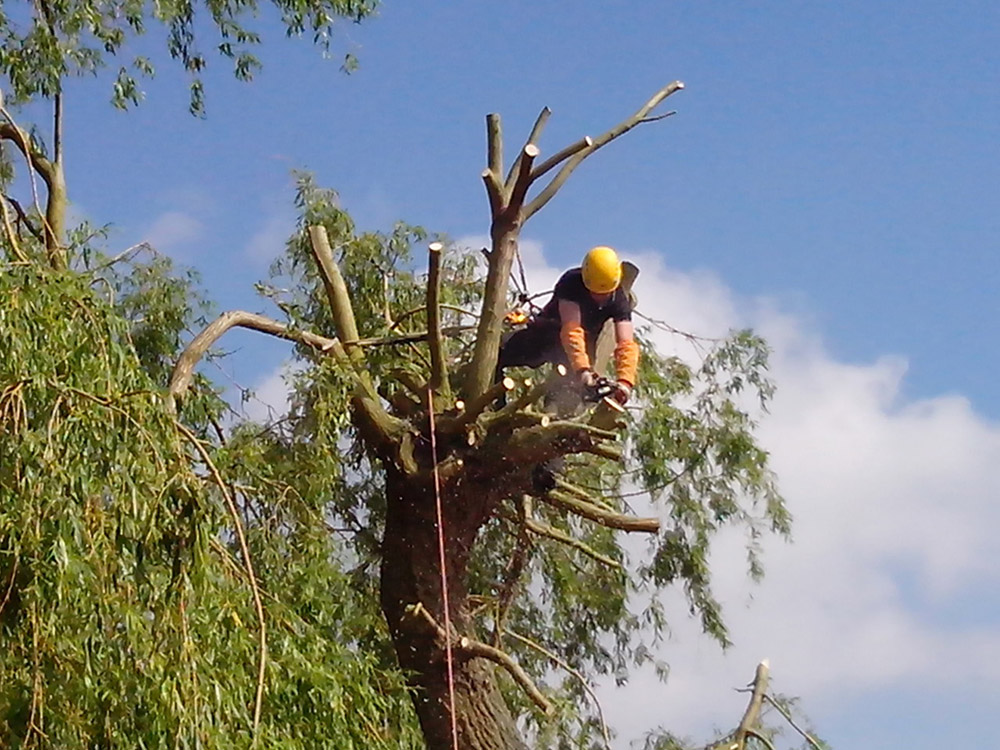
(588,378)
(622,393)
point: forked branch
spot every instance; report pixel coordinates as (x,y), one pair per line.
(473,649)
(640,116)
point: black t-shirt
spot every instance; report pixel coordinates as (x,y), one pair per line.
(571,287)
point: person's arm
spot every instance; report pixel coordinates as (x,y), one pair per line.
(574,339)
(626,359)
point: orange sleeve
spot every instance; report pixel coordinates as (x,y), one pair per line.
(627,360)
(574,341)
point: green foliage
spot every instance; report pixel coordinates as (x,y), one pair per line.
(690,452)
(125,609)
(42,43)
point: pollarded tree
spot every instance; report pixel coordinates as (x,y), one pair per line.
(493,587)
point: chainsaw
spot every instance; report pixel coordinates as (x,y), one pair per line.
(600,390)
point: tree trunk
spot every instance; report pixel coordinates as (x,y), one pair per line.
(410,576)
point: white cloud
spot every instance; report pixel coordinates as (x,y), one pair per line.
(171,232)
(268,242)
(895,518)
(270,396)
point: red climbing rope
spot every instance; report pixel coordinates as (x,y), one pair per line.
(444,574)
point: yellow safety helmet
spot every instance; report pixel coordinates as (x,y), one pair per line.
(602,271)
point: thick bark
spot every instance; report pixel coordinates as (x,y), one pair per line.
(411,576)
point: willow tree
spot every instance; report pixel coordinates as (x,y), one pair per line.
(139,605)
(496,587)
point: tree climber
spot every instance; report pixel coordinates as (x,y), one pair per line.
(566,330)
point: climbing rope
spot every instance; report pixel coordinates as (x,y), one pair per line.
(444,574)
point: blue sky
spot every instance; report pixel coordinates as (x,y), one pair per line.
(830,177)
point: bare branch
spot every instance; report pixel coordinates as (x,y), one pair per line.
(180,378)
(536,131)
(558,158)
(808,737)
(123,255)
(23,218)
(51,172)
(594,512)
(57,127)
(579,492)
(752,714)
(523,181)
(439,362)
(473,648)
(476,407)
(761,738)
(336,290)
(586,686)
(535,394)
(550,532)
(410,313)
(8,228)
(620,129)
(494,145)
(512,575)
(494,191)
(410,382)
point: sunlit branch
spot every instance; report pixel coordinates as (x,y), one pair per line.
(473,648)
(594,512)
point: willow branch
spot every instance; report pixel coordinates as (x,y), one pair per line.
(579,492)
(410,313)
(183,372)
(22,216)
(514,570)
(576,673)
(411,383)
(535,394)
(620,129)
(11,131)
(251,577)
(558,158)
(808,737)
(536,131)
(593,512)
(473,648)
(8,228)
(494,145)
(52,175)
(752,713)
(523,180)
(494,191)
(478,405)
(550,532)
(439,362)
(57,127)
(761,738)
(336,289)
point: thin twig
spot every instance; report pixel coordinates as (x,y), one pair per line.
(583,680)
(809,738)
(251,577)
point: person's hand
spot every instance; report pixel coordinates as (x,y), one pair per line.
(623,392)
(588,378)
